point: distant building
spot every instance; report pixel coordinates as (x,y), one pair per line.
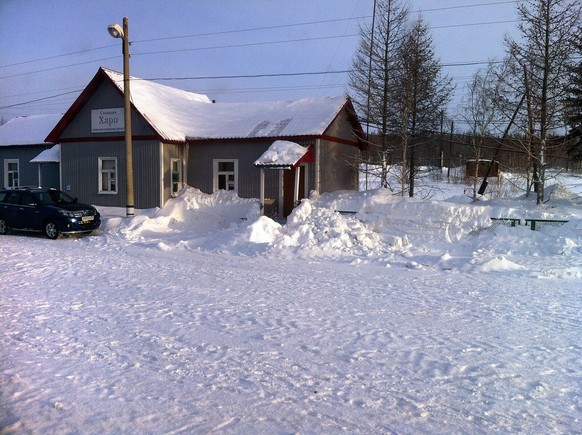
(25,159)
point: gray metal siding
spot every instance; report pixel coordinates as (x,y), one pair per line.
(80,164)
(105,97)
(146,174)
(28,172)
(342,128)
(80,169)
(50,174)
(200,167)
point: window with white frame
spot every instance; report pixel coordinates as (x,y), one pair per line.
(176,165)
(11,173)
(225,174)
(108,175)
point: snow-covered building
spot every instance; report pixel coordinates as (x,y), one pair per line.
(181,138)
(23,152)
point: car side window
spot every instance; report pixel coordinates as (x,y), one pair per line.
(27,199)
(45,198)
(13,198)
(2,196)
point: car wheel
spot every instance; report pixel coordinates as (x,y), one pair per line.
(4,228)
(51,230)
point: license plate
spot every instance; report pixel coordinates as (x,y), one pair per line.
(86,219)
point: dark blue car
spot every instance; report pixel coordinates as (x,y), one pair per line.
(47,210)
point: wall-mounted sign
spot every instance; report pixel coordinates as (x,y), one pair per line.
(107,120)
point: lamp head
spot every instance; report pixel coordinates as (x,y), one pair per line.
(115,30)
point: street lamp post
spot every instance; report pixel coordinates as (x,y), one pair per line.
(117,32)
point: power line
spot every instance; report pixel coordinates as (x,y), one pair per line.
(40,99)
(250,44)
(280,26)
(487,23)
(228,46)
(471,63)
(445,8)
(58,67)
(250,76)
(308,73)
(226,32)
(454,64)
(256,29)
(58,55)
(236,76)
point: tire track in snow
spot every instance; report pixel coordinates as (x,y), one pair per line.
(240,344)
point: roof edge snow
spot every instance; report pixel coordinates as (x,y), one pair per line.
(282,154)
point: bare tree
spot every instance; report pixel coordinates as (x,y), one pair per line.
(544,55)
(373,71)
(482,109)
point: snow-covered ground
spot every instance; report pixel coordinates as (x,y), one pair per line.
(407,316)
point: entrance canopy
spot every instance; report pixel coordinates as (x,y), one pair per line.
(283,154)
(52,155)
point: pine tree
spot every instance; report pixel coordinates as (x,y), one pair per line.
(422,93)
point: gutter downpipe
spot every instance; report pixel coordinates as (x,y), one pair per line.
(317,165)
(262,192)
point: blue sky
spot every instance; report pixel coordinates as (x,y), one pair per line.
(50,50)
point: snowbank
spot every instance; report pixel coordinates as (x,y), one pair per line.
(372,226)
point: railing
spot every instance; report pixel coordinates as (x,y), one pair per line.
(534,224)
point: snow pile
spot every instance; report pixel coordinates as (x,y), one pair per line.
(316,231)
(193,220)
(341,224)
(372,226)
(500,264)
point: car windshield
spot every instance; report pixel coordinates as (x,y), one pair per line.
(55,197)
